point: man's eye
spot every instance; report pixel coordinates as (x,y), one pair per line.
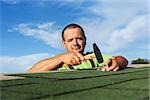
(80,38)
(69,40)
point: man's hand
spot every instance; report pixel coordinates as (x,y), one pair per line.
(116,63)
(73,58)
(111,65)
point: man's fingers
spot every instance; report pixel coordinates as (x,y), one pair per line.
(105,67)
(75,59)
(110,68)
(80,56)
(113,65)
(116,69)
(114,62)
(70,62)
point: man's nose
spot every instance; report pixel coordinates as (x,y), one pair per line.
(75,42)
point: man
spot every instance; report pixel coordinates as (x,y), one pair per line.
(74,40)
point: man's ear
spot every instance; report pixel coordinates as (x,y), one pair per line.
(63,43)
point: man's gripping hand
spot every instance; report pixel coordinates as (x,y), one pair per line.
(72,58)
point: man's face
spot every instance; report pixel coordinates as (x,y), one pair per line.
(74,40)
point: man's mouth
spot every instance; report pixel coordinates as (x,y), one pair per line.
(76,48)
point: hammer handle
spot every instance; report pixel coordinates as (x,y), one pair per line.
(89,56)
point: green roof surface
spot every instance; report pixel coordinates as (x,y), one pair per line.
(128,84)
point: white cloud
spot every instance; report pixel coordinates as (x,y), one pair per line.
(10,64)
(135,30)
(11,1)
(46,32)
(115,23)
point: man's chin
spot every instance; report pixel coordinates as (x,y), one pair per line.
(78,51)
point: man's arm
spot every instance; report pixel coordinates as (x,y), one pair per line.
(57,61)
(47,64)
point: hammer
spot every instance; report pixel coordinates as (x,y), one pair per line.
(97,54)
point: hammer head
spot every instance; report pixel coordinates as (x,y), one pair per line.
(98,53)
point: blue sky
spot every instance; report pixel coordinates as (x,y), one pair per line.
(31,29)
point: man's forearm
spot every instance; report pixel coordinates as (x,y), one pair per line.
(47,64)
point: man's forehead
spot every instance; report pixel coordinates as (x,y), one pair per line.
(73,32)
(72,28)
